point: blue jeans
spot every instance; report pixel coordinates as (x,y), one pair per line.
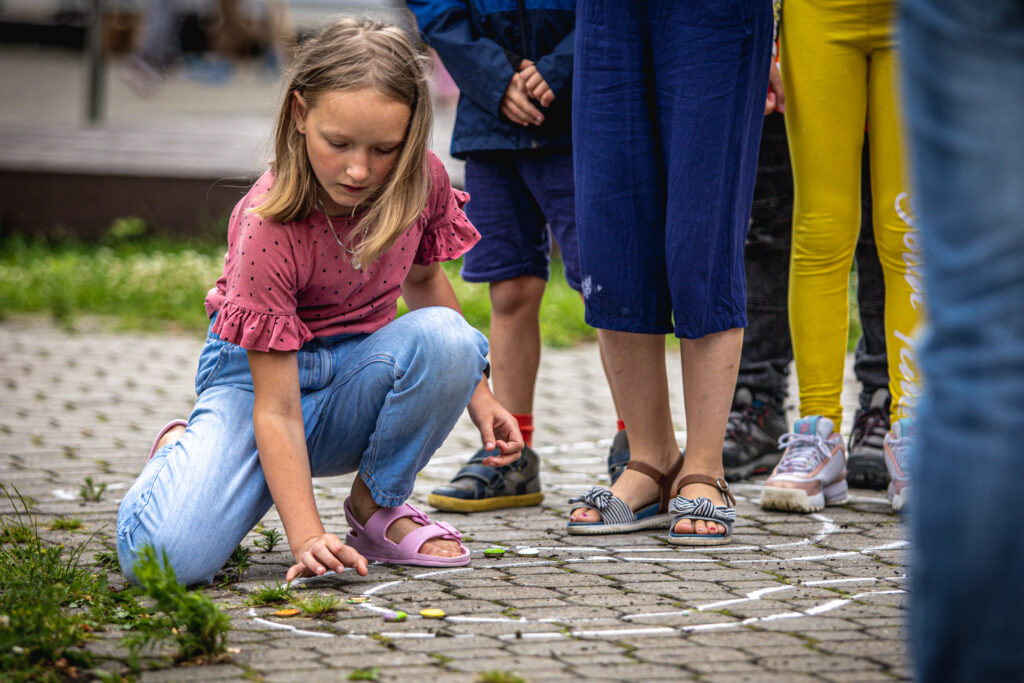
(380,404)
(964,94)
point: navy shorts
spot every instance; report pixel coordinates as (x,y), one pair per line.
(516,196)
(667,112)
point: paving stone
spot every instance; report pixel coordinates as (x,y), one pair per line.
(91,406)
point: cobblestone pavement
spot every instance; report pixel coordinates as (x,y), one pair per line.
(818,597)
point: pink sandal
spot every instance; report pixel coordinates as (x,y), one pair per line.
(372,542)
(167,427)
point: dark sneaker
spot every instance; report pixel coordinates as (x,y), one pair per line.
(618,455)
(480,487)
(752,436)
(865,464)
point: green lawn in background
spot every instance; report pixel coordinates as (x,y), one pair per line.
(159,285)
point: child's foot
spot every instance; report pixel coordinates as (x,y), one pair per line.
(170,433)
(363,506)
(170,436)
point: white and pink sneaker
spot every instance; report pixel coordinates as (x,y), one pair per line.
(897,461)
(812,471)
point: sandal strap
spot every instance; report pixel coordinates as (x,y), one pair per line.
(662,479)
(612,508)
(718,482)
(701,508)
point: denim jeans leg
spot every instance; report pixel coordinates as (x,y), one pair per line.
(964,93)
(197,498)
(767,351)
(395,398)
(870,364)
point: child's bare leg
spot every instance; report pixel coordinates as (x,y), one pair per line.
(515,340)
(363,506)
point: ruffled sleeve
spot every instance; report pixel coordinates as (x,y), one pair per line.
(264,272)
(448,234)
(260,331)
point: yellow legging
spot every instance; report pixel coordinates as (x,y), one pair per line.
(839,67)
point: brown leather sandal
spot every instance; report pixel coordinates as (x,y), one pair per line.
(702,508)
(616,516)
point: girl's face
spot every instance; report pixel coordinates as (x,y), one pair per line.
(353,140)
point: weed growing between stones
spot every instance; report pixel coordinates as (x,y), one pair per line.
(189,618)
(364,674)
(236,565)
(265,595)
(496,676)
(90,491)
(66,524)
(317,605)
(49,602)
(269,538)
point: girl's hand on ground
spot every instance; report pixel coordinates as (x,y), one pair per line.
(324,552)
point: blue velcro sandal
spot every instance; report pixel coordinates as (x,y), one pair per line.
(618,455)
(702,508)
(477,487)
(616,516)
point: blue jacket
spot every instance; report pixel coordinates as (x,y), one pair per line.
(481,42)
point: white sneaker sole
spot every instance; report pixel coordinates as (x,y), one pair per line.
(797,500)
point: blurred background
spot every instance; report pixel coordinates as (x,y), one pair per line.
(156,109)
(128,131)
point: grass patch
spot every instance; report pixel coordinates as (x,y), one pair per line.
(317,605)
(66,524)
(268,540)
(144,283)
(91,491)
(364,674)
(496,676)
(157,284)
(50,602)
(267,595)
(237,563)
(189,618)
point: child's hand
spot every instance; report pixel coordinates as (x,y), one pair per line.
(533,84)
(776,100)
(515,104)
(323,552)
(498,429)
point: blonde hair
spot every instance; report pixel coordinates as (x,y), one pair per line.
(354,54)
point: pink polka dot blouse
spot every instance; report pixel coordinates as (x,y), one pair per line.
(284,284)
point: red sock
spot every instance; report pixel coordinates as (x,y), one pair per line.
(620,425)
(526,427)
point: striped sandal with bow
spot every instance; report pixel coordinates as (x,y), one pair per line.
(616,516)
(702,508)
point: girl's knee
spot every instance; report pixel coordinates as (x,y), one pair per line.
(191,565)
(446,335)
